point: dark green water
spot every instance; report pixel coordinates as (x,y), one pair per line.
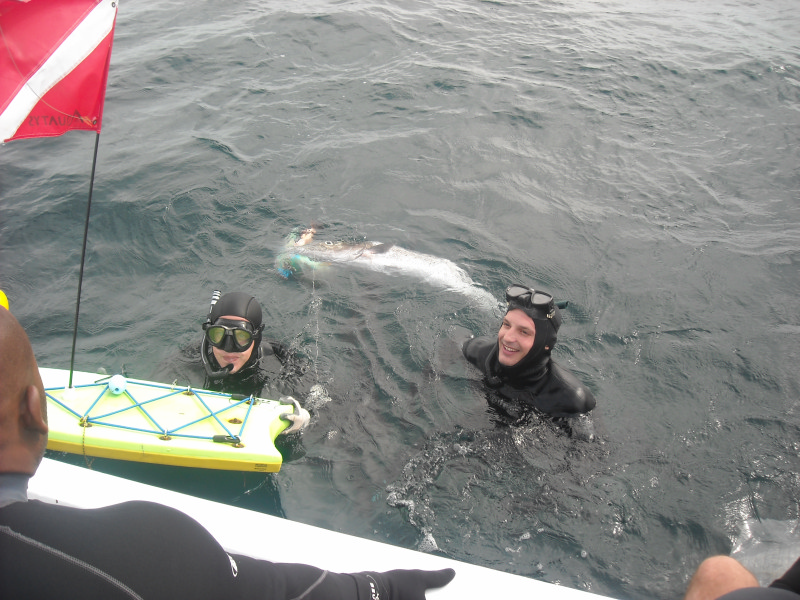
(638,159)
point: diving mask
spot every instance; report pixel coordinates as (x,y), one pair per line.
(528,298)
(230,335)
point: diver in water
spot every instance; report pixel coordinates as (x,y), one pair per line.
(517,364)
(289,262)
(233,359)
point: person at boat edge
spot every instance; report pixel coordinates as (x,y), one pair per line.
(518,369)
(134,549)
(232,358)
(724,578)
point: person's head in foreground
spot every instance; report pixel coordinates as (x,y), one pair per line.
(23,405)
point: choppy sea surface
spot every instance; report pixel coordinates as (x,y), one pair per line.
(639,159)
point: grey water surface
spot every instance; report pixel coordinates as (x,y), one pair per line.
(638,159)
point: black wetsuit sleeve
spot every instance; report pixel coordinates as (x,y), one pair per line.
(152,550)
(466,350)
(142,550)
(790,580)
(563,394)
(276,348)
(476,350)
(292,580)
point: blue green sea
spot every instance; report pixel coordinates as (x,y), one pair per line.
(639,159)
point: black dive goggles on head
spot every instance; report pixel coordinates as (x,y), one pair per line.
(229,335)
(528,298)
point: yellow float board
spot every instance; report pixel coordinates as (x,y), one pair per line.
(156,423)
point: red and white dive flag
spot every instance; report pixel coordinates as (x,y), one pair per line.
(54,58)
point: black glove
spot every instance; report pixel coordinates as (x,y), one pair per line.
(402,584)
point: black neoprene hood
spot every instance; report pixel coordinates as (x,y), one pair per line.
(237,304)
(546,331)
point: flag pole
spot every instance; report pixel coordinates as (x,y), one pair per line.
(83,260)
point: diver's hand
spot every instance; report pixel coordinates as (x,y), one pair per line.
(306,236)
(298,417)
(402,584)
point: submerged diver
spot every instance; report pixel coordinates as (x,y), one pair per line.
(233,359)
(289,262)
(517,363)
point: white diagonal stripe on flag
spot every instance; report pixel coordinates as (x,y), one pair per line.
(72,51)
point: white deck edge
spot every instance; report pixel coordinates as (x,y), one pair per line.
(281,540)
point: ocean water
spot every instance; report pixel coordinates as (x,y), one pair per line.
(639,159)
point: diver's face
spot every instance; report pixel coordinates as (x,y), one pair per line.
(237,359)
(516,337)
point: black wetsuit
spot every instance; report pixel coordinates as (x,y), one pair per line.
(270,373)
(539,385)
(144,550)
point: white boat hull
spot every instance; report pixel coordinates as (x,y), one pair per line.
(61,483)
